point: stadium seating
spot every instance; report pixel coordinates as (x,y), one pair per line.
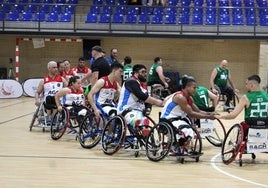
(171,19)
(13,16)
(121,10)
(66,17)
(26,16)
(157,19)
(131,19)
(118,18)
(52,17)
(105,18)
(39,17)
(92,18)
(2,16)
(144,19)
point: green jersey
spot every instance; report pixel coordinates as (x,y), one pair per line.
(221,77)
(258,106)
(201,97)
(153,75)
(127,72)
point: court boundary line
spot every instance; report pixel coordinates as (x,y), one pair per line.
(213,164)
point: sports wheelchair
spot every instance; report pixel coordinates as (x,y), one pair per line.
(213,130)
(158,91)
(118,134)
(222,97)
(164,136)
(248,137)
(69,118)
(39,118)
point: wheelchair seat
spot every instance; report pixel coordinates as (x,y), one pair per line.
(257,123)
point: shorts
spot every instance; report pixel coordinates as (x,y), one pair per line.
(50,103)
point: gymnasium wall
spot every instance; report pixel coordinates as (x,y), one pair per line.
(192,57)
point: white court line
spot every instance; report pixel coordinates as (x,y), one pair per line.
(231,175)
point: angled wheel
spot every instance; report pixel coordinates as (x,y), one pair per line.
(232,143)
(113,135)
(59,124)
(159,141)
(218,134)
(195,147)
(90,131)
(38,117)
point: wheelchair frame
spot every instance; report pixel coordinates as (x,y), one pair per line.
(63,120)
(114,136)
(235,144)
(157,91)
(39,118)
(164,135)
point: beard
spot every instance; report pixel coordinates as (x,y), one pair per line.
(142,79)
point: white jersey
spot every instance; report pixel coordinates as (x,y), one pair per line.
(74,98)
(107,93)
(52,85)
(172,109)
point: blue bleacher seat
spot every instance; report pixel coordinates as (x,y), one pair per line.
(7,7)
(73,2)
(66,17)
(249,3)
(133,10)
(45,8)
(210,11)
(198,10)
(211,19)
(19,8)
(171,10)
(170,19)
(262,3)
(172,2)
(223,3)
(184,19)
(11,1)
(23,1)
(105,18)
(146,10)
(198,2)
(224,11)
(56,8)
(185,11)
(107,9)
(197,19)
(110,2)
(158,11)
(118,18)
(40,17)
(211,3)
(60,1)
(131,19)
(238,19)
(94,9)
(185,2)
(97,2)
(92,18)
(237,3)
(263,11)
(52,17)
(120,10)
(224,19)
(144,19)
(48,1)
(26,16)
(250,11)
(2,16)
(237,11)
(36,1)
(31,8)
(264,20)
(69,9)
(122,2)
(157,19)
(250,19)
(13,16)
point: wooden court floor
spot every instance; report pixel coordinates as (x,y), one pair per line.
(33,159)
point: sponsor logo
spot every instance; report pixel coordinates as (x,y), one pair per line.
(258,146)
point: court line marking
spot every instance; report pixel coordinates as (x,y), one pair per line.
(231,175)
(15,118)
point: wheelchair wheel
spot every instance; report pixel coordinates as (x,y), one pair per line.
(218,134)
(90,131)
(38,118)
(232,143)
(159,141)
(113,135)
(35,116)
(195,147)
(60,122)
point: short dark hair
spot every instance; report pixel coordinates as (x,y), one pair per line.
(157,59)
(255,77)
(97,49)
(82,59)
(127,60)
(186,81)
(115,66)
(137,68)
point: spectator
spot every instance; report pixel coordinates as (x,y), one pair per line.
(82,70)
(113,56)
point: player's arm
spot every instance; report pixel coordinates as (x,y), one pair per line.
(211,81)
(39,91)
(161,75)
(58,95)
